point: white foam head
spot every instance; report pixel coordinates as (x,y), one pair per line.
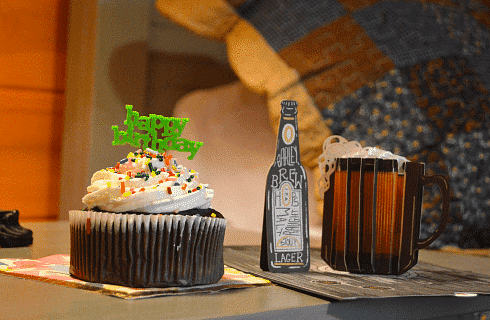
(335,147)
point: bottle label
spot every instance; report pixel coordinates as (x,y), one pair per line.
(287,218)
(288,134)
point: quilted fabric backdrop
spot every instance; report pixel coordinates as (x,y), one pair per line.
(411,77)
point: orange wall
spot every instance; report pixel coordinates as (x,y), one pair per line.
(33,40)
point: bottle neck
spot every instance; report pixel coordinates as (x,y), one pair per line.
(287,149)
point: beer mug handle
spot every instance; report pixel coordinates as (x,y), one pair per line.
(443,184)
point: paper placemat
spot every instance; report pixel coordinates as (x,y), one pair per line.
(55,269)
(422,280)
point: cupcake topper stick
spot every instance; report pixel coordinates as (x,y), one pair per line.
(172,130)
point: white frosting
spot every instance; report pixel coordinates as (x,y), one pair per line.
(149,185)
(342,148)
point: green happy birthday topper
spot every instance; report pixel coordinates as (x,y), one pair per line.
(172,129)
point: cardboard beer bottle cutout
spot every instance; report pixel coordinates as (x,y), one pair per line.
(285,236)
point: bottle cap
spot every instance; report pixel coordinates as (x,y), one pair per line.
(289,107)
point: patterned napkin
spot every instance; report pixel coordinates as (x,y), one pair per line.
(55,269)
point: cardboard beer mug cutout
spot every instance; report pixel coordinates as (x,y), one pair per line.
(372,210)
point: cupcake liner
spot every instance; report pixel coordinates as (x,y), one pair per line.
(141,250)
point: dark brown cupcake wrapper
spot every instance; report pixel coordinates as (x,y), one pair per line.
(146,250)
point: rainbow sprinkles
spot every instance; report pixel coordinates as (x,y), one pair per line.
(150,182)
(172,130)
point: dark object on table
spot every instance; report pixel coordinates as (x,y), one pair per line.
(12,234)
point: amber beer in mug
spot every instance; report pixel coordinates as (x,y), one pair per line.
(371,218)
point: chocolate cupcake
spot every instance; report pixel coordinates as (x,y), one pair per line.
(148,223)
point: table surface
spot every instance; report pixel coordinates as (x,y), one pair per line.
(28,299)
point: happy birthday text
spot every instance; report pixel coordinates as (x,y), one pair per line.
(172,130)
